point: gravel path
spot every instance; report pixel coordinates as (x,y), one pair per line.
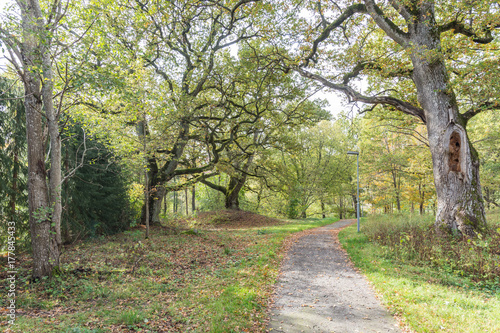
(318,291)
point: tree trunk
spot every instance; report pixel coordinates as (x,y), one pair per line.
(193,199)
(159,196)
(44,200)
(421,193)
(323,214)
(341,209)
(55,176)
(354,202)
(186,201)
(487,197)
(396,189)
(233,192)
(455,162)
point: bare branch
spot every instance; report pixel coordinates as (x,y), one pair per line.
(354,96)
(82,160)
(349,12)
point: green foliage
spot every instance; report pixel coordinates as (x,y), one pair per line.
(95,197)
(13,164)
(413,239)
(311,169)
(132,317)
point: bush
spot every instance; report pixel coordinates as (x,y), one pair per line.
(412,238)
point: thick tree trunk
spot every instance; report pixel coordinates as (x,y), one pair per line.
(44,254)
(159,196)
(455,162)
(44,205)
(233,191)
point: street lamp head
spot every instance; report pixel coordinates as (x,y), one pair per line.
(352,153)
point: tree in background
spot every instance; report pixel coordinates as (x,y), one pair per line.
(178,44)
(396,165)
(263,103)
(312,168)
(95,198)
(485,133)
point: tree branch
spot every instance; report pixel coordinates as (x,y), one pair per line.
(485,106)
(354,96)
(384,23)
(460,28)
(349,12)
(401,9)
(214,186)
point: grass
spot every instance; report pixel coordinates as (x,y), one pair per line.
(429,287)
(209,281)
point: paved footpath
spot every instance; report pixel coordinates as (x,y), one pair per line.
(318,291)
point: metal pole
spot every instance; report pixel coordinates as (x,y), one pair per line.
(357,189)
(357,200)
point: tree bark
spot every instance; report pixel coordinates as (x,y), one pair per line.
(323,214)
(341,209)
(193,199)
(155,218)
(233,191)
(186,200)
(455,162)
(44,200)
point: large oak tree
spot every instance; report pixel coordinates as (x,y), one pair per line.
(419,57)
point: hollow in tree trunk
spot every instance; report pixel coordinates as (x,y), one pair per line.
(455,162)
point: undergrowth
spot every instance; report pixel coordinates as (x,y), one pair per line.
(204,281)
(431,284)
(413,239)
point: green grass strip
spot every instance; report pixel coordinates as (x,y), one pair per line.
(427,298)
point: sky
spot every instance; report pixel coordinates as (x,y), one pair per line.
(333,98)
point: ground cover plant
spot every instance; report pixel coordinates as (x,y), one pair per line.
(432,284)
(201,279)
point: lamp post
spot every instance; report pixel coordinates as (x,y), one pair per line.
(357,172)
